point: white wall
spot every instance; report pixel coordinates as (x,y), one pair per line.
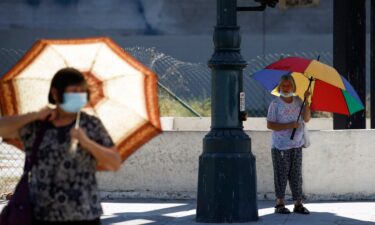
(338,165)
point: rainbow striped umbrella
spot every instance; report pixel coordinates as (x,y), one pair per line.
(331,92)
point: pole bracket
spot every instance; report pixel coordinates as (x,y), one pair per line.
(263,5)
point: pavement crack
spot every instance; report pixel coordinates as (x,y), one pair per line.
(286,219)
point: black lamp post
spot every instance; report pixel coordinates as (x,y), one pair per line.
(227,175)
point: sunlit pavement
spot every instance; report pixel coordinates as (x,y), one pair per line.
(133,212)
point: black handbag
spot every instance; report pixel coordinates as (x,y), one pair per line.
(18,211)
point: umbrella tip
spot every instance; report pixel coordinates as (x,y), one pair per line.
(318,58)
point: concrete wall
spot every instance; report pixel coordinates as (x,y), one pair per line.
(156,17)
(182,29)
(338,165)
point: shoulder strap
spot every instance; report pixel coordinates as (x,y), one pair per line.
(31,159)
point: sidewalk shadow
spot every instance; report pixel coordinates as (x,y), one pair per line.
(165,212)
(184,213)
(179,212)
(315,218)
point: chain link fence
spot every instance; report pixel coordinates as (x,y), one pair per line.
(189,84)
(184,87)
(11,166)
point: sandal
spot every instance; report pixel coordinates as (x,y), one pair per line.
(281,209)
(300,209)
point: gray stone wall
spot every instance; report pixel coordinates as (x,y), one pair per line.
(167,17)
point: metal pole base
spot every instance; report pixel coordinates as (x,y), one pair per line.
(227,181)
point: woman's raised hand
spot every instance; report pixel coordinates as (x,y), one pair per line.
(307,94)
(45,113)
(80,135)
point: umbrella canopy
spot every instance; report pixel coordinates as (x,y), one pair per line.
(123,91)
(330,91)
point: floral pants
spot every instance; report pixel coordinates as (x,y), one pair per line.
(287,165)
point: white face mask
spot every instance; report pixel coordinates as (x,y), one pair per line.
(286,95)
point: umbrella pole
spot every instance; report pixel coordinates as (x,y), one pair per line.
(74,142)
(300,111)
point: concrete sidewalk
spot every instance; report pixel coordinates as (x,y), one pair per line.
(183,212)
(133,212)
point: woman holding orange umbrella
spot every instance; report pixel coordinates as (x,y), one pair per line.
(62,185)
(287,152)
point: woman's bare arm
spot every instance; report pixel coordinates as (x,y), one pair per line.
(9,125)
(281,126)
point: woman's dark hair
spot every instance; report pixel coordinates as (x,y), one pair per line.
(64,78)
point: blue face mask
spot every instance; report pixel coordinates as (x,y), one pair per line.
(74,102)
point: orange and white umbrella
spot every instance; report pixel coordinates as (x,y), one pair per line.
(123,91)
